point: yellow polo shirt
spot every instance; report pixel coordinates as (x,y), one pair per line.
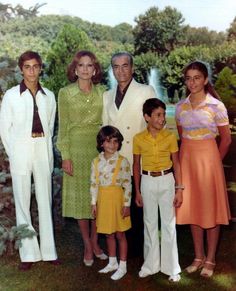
(155,152)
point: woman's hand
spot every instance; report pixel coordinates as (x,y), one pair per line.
(178,200)
(67,167)
(94,211)
(125,211)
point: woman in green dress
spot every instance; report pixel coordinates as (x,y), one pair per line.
(80,117)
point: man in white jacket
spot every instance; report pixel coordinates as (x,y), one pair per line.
(26,126)
(122,108)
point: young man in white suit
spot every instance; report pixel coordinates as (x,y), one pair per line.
(26,126)
(122,108)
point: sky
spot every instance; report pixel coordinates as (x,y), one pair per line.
(213,14)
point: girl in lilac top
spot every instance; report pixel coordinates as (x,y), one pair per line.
(200,117)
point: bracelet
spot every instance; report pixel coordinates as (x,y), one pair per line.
(179,187)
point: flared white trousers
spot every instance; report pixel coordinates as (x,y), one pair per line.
(159,192)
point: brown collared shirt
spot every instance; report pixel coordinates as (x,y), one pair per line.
(120,95)
(37,125)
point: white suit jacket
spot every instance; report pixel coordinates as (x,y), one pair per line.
(16,117)
(129,117)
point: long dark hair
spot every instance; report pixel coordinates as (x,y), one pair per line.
(201,67)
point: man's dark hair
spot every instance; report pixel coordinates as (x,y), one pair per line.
(106,133)
(121,54)
(29,55)
(151,104)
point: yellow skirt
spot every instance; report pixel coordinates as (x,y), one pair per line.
(109,210)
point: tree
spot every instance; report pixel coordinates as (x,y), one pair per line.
(226,87)
(202,36)
(158,31)
(6,12)
(123,32)
(232,31)
(67,43)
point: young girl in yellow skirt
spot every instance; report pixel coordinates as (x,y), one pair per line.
(111,196)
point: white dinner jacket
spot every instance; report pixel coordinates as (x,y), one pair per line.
(16,117)
(129,117)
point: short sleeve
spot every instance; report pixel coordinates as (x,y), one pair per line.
(136,147)
(174,144)
(221,117)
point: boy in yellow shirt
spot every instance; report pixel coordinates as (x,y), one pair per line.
(156,149)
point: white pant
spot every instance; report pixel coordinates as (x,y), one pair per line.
(38,166)
(159,191)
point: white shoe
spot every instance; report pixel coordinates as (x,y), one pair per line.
(88,263)
(174,278)
(118,274)
(143,274)
(109,268)
(102,256)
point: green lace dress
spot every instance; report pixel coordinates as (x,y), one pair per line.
(80,118)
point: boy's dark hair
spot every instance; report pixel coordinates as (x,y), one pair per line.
(29,55)
(106,133)
(151,104)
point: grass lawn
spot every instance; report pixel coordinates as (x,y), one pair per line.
(73,275)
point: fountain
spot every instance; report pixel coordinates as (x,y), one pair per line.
(111,79)
(154,81)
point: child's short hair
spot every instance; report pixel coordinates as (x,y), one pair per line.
(106,133)
(151,104)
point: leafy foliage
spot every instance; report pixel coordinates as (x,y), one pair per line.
(226,87)
(158,31)
(202,36)
(67,43)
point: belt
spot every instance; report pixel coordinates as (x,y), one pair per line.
(37,134)
(157,174)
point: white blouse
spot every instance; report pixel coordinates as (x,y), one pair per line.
(106,169)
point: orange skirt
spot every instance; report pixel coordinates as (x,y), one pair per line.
(109,210)
(205,199)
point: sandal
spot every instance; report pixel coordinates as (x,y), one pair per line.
(194,267)
(206,272)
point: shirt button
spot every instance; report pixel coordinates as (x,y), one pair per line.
(128,127)
(87,100)
(127,141)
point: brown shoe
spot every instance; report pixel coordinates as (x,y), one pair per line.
(25,266)
(56,262)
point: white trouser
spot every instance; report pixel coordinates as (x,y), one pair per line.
(38,166)
(159,191)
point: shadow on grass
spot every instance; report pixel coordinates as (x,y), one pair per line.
(72,275)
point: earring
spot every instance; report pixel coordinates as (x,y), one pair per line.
(76,73)
(94,73)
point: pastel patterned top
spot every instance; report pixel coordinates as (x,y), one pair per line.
(106,169)
(202,121)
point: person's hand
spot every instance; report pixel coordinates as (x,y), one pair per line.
(125,211)
(67,167)
(139,200)
(94,211)
(178,200)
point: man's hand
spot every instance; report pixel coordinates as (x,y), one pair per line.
(67,167)
(139,200)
